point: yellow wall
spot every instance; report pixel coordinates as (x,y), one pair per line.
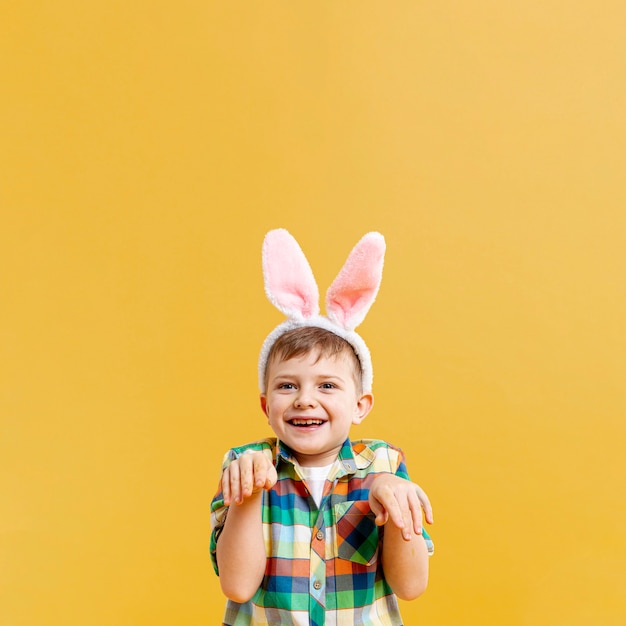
(145,148)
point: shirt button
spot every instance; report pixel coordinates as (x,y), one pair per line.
(317,584)
(320,535)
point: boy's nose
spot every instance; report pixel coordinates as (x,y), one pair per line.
(304,400)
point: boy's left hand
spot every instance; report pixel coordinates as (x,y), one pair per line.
(399,500)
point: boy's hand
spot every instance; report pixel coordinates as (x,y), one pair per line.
(400,500)
(246,476)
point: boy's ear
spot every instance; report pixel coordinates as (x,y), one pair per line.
(264,407)
(363,407)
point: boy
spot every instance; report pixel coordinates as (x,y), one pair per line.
(309,527)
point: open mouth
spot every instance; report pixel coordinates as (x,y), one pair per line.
(306,422)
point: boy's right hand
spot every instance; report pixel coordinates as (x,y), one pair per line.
(246,476)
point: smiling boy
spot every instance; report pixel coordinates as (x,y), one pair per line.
(310,528)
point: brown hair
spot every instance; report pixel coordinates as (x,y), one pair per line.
(301,341)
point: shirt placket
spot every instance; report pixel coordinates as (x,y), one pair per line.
(317,578)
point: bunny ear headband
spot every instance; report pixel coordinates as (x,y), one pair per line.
(291,288)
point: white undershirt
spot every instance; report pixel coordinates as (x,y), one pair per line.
(315,478)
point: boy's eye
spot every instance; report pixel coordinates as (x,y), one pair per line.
(327,385)
(286,386)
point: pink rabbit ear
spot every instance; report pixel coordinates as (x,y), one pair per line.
(289,281)
(354,290)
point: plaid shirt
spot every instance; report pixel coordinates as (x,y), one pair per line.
(323,565)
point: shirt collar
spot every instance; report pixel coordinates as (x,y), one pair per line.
(351,457)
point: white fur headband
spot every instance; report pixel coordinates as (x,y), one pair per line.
(291,288)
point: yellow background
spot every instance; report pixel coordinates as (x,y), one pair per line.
(145,149)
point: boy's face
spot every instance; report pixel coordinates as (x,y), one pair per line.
(311,403)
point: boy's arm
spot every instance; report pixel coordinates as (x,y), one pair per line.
(394,501)
(240,551)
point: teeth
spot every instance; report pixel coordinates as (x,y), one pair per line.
(306,422)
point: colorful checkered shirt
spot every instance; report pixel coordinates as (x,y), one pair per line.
(323,565)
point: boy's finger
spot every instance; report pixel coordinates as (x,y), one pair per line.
(407,518)
(235,482)
(416,514)
(261,469)
(246,472)
(425,503)
(380,512)
(401,518)
(395,512)
(271,478)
